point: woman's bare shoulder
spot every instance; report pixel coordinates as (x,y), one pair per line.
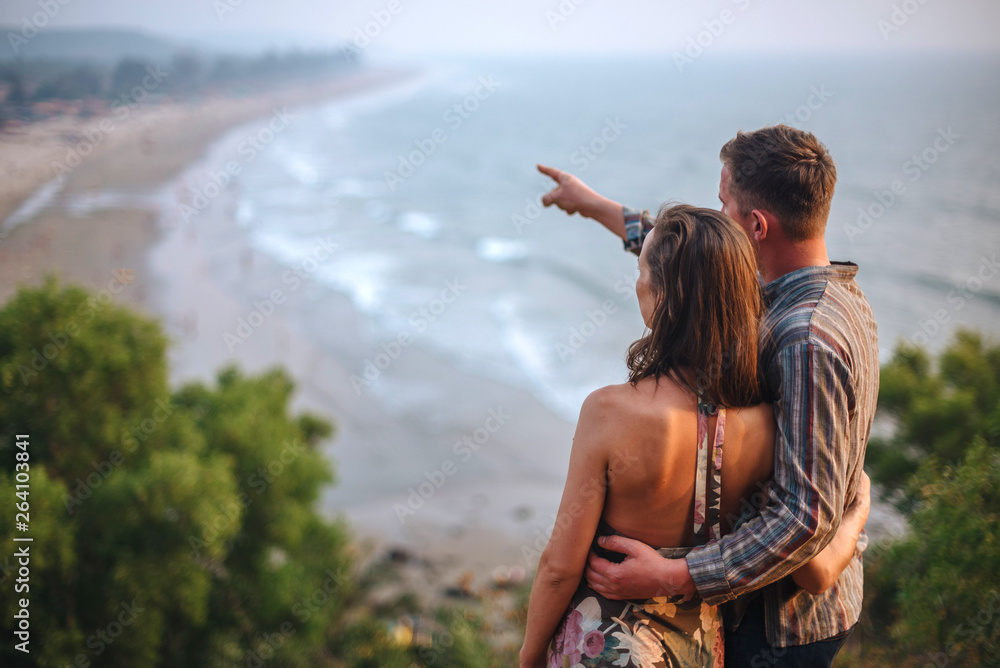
(642,406)
(625,397)
(606,405)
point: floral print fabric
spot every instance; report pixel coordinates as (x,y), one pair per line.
(657,633)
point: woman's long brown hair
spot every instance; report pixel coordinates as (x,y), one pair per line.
(705,326)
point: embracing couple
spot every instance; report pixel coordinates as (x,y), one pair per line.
(715,503)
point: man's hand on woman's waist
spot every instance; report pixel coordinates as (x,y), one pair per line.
(643,574)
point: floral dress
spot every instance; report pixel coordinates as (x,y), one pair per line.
(658,632)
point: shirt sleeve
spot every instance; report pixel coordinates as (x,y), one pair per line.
(805,501)
(637,226)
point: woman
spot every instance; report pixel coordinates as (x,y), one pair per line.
(647,458)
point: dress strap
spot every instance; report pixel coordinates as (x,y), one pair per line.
(708,476)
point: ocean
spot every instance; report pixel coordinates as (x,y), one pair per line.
(425,200)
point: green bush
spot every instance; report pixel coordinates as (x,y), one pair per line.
(937,410)
(933,598)
(937,592)
(178,529)
(188,515)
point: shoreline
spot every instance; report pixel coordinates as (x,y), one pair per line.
(466,530)
(114,212)
(33,155)
(134,160)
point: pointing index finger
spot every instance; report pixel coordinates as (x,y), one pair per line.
(551,172)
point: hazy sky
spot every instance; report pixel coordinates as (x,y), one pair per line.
(554,25)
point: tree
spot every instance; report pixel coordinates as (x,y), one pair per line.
(127,75)
(15,95)
(937,410)
(186,71)
(170,529)
(226,70)
(74,84)
(82,374)
(933,598)
(178,529)
(935,594)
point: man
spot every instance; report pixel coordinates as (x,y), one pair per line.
(820,360)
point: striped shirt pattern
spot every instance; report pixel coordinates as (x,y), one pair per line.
(820,357)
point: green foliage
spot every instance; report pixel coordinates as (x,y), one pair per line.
(933,598)
(127,75)
(75,84)
(936,593)
(187,75)
(186,72)
(463,641)
(178,528)
(173,530)
(369,644)
(15,94)
(54,558)
(464,638)
(80,374)
(938,410)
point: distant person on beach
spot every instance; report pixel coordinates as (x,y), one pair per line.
(648,456)
(819,359)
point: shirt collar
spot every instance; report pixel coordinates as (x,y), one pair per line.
(835,271)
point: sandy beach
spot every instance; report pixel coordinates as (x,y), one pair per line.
(132,156)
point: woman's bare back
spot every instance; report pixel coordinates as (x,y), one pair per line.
(651,467)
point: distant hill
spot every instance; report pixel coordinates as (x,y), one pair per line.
(113,44)
(108,44)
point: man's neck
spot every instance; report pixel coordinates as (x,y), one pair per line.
(776,261)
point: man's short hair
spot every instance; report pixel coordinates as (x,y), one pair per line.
(785,171)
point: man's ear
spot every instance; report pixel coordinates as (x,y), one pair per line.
(762,221)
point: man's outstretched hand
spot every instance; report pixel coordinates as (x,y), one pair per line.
(574,196)
(570,194)
(643,574)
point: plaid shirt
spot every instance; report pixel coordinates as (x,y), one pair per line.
(820,355)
